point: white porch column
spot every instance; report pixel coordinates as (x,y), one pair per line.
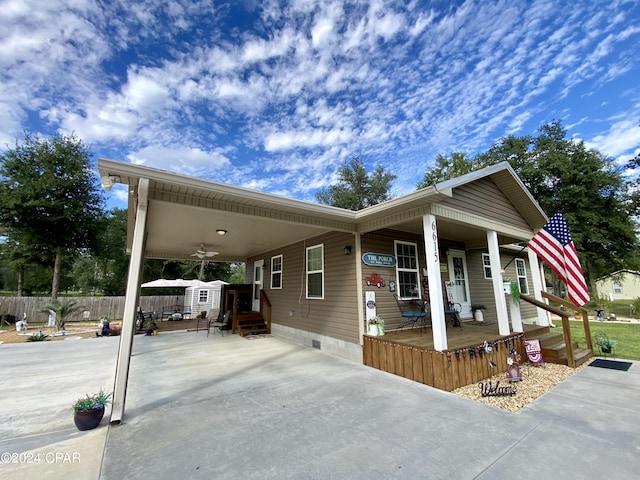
(130,304)
(438,325)
(359,289)
(538,286)
(496,276)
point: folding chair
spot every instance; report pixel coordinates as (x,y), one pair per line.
(414,312)
(222,324)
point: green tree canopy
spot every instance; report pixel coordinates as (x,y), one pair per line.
(356,189)
(49,197)
(563,174)
(446,168)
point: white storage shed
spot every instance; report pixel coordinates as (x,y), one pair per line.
(205,297)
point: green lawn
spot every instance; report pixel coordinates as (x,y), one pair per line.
(626,334)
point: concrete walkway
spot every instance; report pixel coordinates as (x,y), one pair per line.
(233,408)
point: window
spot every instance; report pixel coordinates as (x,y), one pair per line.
(486,265)
(617,288)
(276,271)
(407,269)
(315,271)
(522,276)
(203,296)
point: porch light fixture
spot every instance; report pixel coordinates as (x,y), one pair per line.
(109,181)
(347,250)
(221,232)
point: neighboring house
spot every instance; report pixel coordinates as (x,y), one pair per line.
(620,285)
(447,241)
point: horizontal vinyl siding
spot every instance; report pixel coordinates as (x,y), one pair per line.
(337,314)
(383,242)
(485,199)
(481,289)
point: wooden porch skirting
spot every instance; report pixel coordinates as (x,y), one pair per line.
(446,370)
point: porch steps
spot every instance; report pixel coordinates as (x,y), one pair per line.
(250,323)
(554,349)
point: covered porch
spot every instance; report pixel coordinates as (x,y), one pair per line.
(411,353)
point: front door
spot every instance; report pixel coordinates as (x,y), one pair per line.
(257,284)
(458,277)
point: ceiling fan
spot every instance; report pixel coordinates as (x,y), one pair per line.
(202,253)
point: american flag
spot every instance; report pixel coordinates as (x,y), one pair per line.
(554,245)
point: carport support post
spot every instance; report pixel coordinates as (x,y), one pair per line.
(130,304)
(438,325)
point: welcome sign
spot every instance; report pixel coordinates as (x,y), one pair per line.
(379,260)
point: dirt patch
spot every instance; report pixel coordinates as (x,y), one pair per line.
(8,334)
(536,381)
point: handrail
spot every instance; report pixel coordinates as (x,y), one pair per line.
(565,325)
(584,313)
(264,300)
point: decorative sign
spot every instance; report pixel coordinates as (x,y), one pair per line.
(489,390)
(379,260)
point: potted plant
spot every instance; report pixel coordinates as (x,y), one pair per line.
(512,288)
(150,326)
(375,326)
(89,410)
(606,345)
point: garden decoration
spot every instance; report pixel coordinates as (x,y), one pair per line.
(375,326)
(489,349)
(513,366)
(89,410)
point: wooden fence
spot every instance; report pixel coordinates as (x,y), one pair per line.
(111,307)
(445,370)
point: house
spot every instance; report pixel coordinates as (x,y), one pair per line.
(620,285)
(446,245)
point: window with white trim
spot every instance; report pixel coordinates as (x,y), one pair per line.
(486,265)
(408,278)
(203,296)
(617,288)
(522,276)
(276,271)
(315,271)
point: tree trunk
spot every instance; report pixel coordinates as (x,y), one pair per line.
(55,285)
(20,273)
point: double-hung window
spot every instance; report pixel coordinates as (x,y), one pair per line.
(408,278)
(522,276)
(486,265)
(276,271)
(315,271)
(203,296)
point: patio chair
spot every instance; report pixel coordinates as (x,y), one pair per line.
(452,314)
(413,311)
(202,319)
(222,324)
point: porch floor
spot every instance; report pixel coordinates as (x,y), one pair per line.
(471,334)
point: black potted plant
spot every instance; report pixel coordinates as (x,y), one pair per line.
(89,410)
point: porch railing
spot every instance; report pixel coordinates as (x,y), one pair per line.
(566,329)
(265,309)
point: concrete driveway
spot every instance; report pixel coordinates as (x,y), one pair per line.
(233,408)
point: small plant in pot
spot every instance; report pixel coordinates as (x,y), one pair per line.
(89,410)
(605,343)
(375,326)
(150,326)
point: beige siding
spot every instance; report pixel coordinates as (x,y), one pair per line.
(484,198)
(337,314)
(482,289)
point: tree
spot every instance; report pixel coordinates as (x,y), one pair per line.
(49,197)
(589,188)
(446,168)
(62,309)
(356,189)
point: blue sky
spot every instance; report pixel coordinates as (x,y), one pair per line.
(275,95)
